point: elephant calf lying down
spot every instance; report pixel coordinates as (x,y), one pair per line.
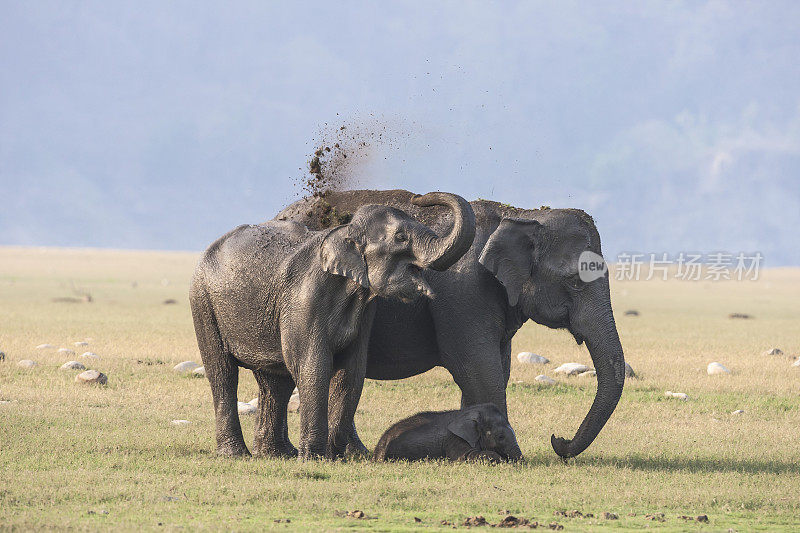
(476,432)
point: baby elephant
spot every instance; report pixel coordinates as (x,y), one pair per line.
(475,432)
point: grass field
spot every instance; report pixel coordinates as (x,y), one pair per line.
(84,457)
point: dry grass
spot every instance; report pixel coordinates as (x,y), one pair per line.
(69,452)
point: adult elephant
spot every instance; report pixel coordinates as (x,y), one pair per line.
(523,265)
(295,307)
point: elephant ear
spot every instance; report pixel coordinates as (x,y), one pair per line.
(466,427)
(508,254)
(342,255)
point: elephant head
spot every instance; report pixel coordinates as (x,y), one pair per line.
(385,249)
(484,427)
(535,255)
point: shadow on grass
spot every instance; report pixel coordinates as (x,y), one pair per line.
(676,464)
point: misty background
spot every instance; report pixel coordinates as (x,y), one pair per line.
(164,124)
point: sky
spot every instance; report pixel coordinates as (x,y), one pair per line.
(162,125)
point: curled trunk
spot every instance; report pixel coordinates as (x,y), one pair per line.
(439,253)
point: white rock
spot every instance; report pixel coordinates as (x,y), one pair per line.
(72,365)
(629,373)
(90,355)
(66,351)
(294,403)
(180,422)
(738,412)
(797,363)
(185,367)
(532,358)
(774,351)
(570,369)
(587,374)
(541,378)
(200,371)
(246,408)
(45,347)
(26,363)
(91,377)
(81,343)
(254,402)
(677,395)
(717,368)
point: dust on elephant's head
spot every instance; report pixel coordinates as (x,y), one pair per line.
(385,249)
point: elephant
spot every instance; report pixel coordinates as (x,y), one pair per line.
(295,307)
(476,432)
(523,265)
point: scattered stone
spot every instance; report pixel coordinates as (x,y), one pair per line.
(774,351)
(556,526)
(80,343)
(702,518)
(181,422)
(677,395)
(717,368)
(743,316)
(66,351)
(2,356)
(656,517)
(91,377)
(90,355)
(45,347)
(544,380)
(282,521)
(629,373)
(356,514)
(72,365)
(254,402)
(571,369)
(610,516)
(26,363)
(738,412)
(446,523)
(246,408)
(474,521)
(417,519)
(797,363)
(294,403)
(587,374)
(170,301)
(185,367)
(532,358)
(631,312)
(200,372)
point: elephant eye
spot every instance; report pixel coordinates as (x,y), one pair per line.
(400,236)
(501,437)
(575,283)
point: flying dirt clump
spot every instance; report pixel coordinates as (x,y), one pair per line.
(342,153)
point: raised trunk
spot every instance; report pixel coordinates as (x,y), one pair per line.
(439,253)
(602,340)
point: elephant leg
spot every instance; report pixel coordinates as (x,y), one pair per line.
(480,377)
(345,392)
(272,431)
(223,376)
(313,382)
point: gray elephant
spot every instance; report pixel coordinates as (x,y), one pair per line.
(473,433)
(295,307)
(523,265)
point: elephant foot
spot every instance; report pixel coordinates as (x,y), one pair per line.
(233,451)
(276,450)
(355,448)
(341,446)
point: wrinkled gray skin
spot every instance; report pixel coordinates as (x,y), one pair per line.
(476,432)
(523,265)
(295,307)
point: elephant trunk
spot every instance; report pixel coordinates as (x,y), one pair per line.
(439,253)
(602,340)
